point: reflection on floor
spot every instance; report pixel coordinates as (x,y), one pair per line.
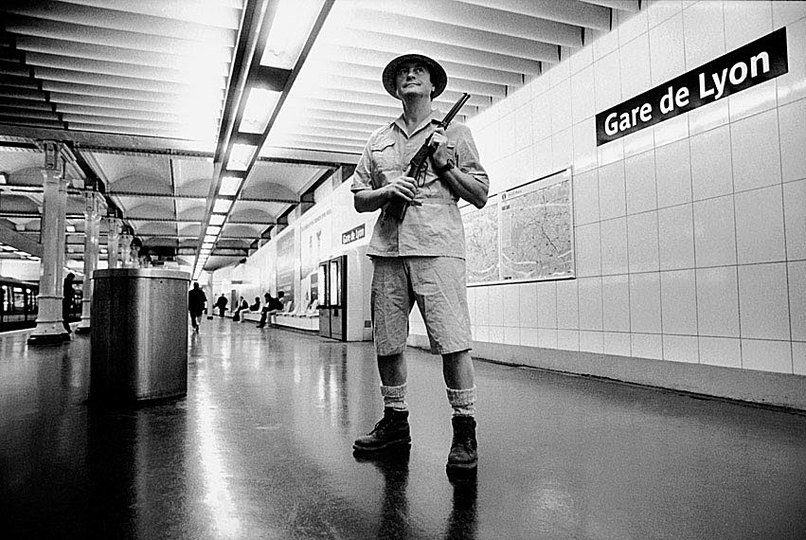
(261,448)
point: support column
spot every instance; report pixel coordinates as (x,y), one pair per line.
(94,206)
(49,326)
(113,241)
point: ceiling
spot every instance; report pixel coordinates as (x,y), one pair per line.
(150,99)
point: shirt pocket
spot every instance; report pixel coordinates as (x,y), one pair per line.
(384,157)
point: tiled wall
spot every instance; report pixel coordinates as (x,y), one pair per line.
(690,235)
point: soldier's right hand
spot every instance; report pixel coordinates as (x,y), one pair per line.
(402,187)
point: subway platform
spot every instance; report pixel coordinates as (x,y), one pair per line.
(261,447)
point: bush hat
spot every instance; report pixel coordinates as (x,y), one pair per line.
(438,76)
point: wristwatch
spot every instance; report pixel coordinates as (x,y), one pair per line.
(445,168)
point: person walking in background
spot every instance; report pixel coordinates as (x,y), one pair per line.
(221,304)
(421,257)
(271,306)
(197,301)
(68,297)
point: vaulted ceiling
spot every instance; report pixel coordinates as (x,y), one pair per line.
(153,101)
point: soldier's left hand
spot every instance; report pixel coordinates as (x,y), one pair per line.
(439,141)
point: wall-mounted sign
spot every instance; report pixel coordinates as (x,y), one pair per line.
(747,66)
(356,233)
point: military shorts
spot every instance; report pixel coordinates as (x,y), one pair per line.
(437,285)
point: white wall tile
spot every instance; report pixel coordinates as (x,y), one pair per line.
(590,303)
(711,169)
(614,246)
(616,303)
(709,117)
(583,104)
(635,71)
(763,302)
(482,333)
(704,31)
(586,197)
(673,173)
(639,175)
(547,338)
(612,196)
(611,152)
(672,130)
(718,301)
(799,357)
(714,232)
(645,303)
(482,315)
(617,343)
(585,152)
(639,142)
(784,13)
(647,346)
(560,106)
(541,119)
(795,219)
(666,50)
(792,86)
(559,73)
(605,45)
(755,151)
(496,306)
(636,25)
(581,59)
(753,100)
(523,127)
(541,159)
(496,334)
(567,304)
(762,355)
(509,300)
(587,250)
(591,341)
(527,304)
(680,349)
(797,299)
(547,304)
(607,82)
(718,351)
(512,335)
(676,237)
(529,337)
(678,302)
(659,11)
(562,149)
(642,242)
(792,119)
(568,340)
(759,225)
(746,21)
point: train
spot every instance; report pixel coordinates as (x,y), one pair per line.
(19,304)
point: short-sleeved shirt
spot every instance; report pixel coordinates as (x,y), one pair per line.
(435,228)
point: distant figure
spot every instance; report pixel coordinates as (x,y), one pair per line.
(273,305)
(197,301)
(243,305)
(68,296)
(221,304)
(256,305)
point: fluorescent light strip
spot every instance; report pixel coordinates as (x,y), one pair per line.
(222,206)
(217,219)
(289,31)
(260,106)
(229,186)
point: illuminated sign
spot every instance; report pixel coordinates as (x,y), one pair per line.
(356,233)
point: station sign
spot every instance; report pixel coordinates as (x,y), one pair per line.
(742,68)
(356,233)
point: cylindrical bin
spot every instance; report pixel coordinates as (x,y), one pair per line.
(138,334)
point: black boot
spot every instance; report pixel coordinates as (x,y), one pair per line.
(463,455)
(391,432)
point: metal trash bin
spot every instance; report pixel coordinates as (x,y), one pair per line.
(138,332)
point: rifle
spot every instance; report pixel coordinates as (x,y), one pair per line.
(419,163)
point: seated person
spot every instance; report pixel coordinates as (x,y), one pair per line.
(256,305)
(272,306)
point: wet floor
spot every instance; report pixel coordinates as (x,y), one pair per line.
(261,447)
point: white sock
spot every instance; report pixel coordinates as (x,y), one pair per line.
(463,401)
(394,397)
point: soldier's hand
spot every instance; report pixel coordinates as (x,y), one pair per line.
(439,142)
(402,187)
